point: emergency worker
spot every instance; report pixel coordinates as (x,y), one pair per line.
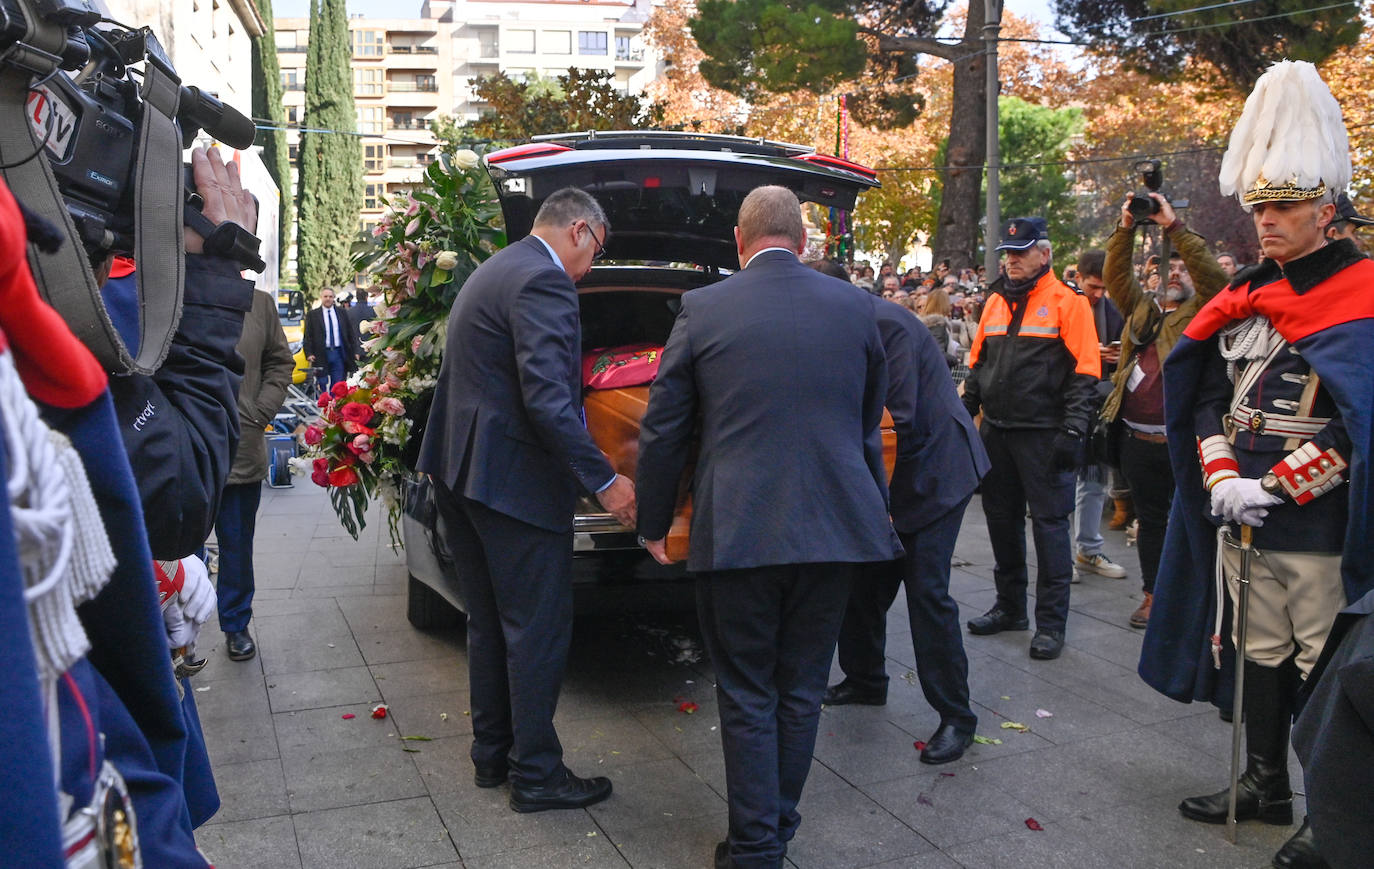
(1033,373)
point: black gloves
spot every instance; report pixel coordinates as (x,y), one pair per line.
(1067,450)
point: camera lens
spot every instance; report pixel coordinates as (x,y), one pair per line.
(1141,207)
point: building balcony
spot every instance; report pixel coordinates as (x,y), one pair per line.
(413,124)
(410,87)
(633,56)
(431,50)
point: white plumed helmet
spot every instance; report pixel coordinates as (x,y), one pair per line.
(1290,142)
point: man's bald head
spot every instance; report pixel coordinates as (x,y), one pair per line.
(771,214)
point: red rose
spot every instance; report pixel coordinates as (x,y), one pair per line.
(354,428)
(321,465)
(346,458)
(343,477)
(313,435)
(319,478)
(355,412)
(323,400)
(339,390)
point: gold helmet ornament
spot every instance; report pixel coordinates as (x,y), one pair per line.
(1290,142)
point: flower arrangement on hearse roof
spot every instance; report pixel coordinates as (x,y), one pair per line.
(418,257)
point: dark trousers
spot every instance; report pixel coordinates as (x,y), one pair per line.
(516,580)
(941,665)
(335,365)
(1147,471)
(234,527)
(1021,476)
(770,632)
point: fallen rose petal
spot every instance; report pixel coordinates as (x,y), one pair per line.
(687,706)
(924,800)
(1033,824)
(946,775)
(348,715)
(920,745)
(1043,713)
(380,710)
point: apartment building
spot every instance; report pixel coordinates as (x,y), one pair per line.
(408,71)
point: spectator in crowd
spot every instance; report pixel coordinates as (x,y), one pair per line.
(1071,276)
(362,311)
(1347,221)
(890,286)
(935,316)
(771,584)
(1137,399)
(1033,373)
(331,340)
(863,277)
(267,368)
(1093,478)
(1227,263)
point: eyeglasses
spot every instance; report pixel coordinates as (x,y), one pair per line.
(600,248)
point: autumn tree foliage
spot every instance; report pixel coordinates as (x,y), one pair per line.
(579,99)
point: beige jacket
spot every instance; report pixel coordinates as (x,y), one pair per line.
(267,367)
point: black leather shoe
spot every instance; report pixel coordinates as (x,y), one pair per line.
(239,645)
(1271,803)
(1300,852)
(723,860)
(947,744)
(565,791)
(490,775)
(847,693)
(995,621)
(1046,645)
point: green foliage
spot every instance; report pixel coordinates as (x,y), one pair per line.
(1159,36)
(330,193)
(1028,133)
(777,45)
(579,99)
(267,99)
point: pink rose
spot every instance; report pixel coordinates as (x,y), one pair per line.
(383,389)
(363,443)
(390,405)
(368,457)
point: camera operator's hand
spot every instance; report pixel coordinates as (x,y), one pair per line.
(1166,215)
(225,199)
(1126,220)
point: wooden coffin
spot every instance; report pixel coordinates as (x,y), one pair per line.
(613,417)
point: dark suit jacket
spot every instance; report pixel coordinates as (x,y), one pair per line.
(940,456)
(505,428)
(312,341)
(786,368)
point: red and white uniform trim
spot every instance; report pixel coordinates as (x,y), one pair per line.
(1218,460)
(1310,471)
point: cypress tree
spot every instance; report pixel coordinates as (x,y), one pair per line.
(331,165)
(267,99)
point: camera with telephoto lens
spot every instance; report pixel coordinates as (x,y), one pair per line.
(88,122)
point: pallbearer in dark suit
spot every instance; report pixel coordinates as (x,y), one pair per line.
(786,369)
(940,459)
(508,453)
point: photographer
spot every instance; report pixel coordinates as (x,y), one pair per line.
(1152,328)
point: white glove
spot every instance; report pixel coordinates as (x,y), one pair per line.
(179,630)
(1242,499)
(197,595)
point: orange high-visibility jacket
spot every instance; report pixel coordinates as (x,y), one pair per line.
(1035,363)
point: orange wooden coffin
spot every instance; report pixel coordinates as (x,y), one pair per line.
(613,417)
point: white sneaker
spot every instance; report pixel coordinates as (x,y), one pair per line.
(1099,564)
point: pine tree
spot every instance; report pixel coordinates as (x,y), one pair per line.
(330,191)
(267,98)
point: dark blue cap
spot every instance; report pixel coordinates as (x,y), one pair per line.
(1020,233)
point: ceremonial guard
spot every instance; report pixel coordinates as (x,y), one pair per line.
(1268,405)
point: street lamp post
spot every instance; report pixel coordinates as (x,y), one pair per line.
(991,28)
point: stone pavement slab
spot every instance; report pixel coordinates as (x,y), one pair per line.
(308,778)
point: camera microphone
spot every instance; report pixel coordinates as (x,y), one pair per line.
(199,109)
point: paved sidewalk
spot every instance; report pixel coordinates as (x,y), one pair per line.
(303,785)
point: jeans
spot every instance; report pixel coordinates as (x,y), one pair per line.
(1147,471)
(234,527)
(1091,498)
